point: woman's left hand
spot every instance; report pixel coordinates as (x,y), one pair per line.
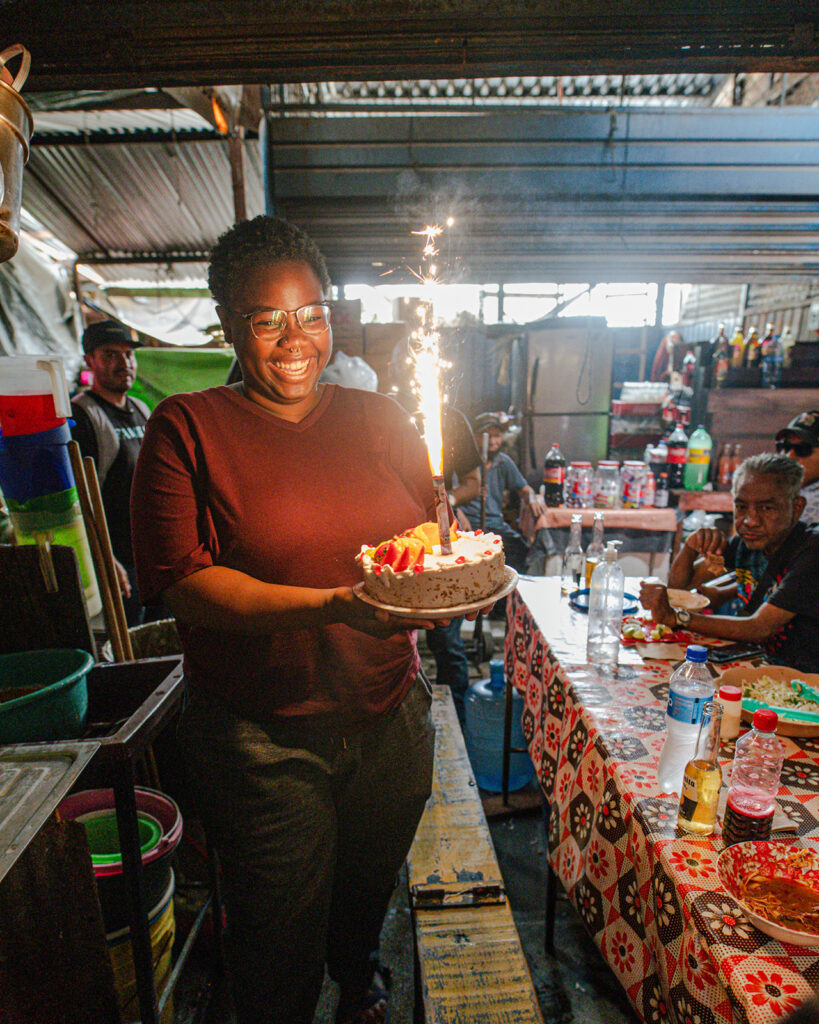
(377,622)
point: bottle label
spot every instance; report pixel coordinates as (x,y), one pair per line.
(685,709)
(677,456)
(554,474)
(688,798)
(701,456)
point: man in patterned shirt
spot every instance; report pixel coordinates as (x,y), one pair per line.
(776,561)
(800,440)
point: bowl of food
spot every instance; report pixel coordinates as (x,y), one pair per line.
(688,599)
(777,886)
(772,685)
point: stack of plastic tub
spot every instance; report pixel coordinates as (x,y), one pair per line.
(35,470)
(160,830)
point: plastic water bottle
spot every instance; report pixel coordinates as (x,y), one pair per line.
(689,690)
(754,781)
(606,611)
(698,460)
(485,709)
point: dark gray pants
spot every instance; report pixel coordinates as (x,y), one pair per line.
(312,827)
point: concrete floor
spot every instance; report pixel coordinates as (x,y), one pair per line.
(573,987)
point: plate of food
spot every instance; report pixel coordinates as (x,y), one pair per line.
(687,599)
(772,686)
(450,612)
(643,631)
(777,885)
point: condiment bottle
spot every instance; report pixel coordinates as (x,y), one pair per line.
(702,779)
(754,781)
(730,697)
(661,495)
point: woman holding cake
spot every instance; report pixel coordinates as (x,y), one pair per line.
(307,734)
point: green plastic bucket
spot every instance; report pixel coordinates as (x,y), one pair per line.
(103,835)
(48,695)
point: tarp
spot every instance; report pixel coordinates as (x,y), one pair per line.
(169,371)
(38,315)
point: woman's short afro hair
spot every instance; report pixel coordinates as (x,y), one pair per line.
(260,242)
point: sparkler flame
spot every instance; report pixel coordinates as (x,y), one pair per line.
(425,351)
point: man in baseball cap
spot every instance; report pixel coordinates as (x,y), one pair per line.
(800,440)
(109,426)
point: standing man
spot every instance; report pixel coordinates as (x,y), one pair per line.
(110,425)
(800,441)
(502,475)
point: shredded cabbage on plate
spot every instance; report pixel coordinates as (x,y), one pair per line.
(778,693)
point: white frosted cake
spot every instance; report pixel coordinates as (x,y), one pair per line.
(409,571)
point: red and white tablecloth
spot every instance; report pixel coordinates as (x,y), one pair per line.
(647,892)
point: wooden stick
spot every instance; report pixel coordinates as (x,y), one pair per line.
(107,552)
(111,622)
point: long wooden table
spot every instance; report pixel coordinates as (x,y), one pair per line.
(647,892)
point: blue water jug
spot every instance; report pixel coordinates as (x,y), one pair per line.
(484,708)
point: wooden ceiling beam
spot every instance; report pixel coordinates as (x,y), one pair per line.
(96,44)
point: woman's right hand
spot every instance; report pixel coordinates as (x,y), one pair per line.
(377,622)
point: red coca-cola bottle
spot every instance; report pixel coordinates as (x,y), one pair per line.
(554,477)
(677,455)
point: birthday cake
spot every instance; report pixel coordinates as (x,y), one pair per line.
(409,571)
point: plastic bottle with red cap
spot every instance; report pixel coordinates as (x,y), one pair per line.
(754,781)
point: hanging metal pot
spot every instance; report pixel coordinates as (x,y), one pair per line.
(16,126)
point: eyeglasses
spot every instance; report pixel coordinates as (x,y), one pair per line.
(802,449)
(271,324)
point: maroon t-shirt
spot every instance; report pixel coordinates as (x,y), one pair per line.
(221,481)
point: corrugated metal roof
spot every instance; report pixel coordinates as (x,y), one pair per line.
(83,122)
(586,90)
(120,199)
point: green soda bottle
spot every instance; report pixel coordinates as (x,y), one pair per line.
(698,461)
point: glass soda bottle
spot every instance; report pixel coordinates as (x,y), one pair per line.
(690,688)
(554,477)
(698,460)
(754,781)
(608,584)
(738,347)
(677,455)
(702,778)
(573,557)
(594,552)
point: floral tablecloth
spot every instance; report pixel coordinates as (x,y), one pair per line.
(647,892)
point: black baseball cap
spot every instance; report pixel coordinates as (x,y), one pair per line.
(805,426)
(106,332)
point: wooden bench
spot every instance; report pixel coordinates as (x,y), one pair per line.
(470,960)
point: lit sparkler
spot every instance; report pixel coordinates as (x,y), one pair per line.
(425,349)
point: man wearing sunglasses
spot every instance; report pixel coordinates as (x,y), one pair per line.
(800,440)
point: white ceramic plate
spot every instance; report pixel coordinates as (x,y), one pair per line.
(687,599)
(510,582)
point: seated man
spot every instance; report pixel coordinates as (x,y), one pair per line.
(776,559)
(800,441)
(501,474)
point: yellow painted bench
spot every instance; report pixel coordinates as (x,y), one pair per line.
(471,964)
